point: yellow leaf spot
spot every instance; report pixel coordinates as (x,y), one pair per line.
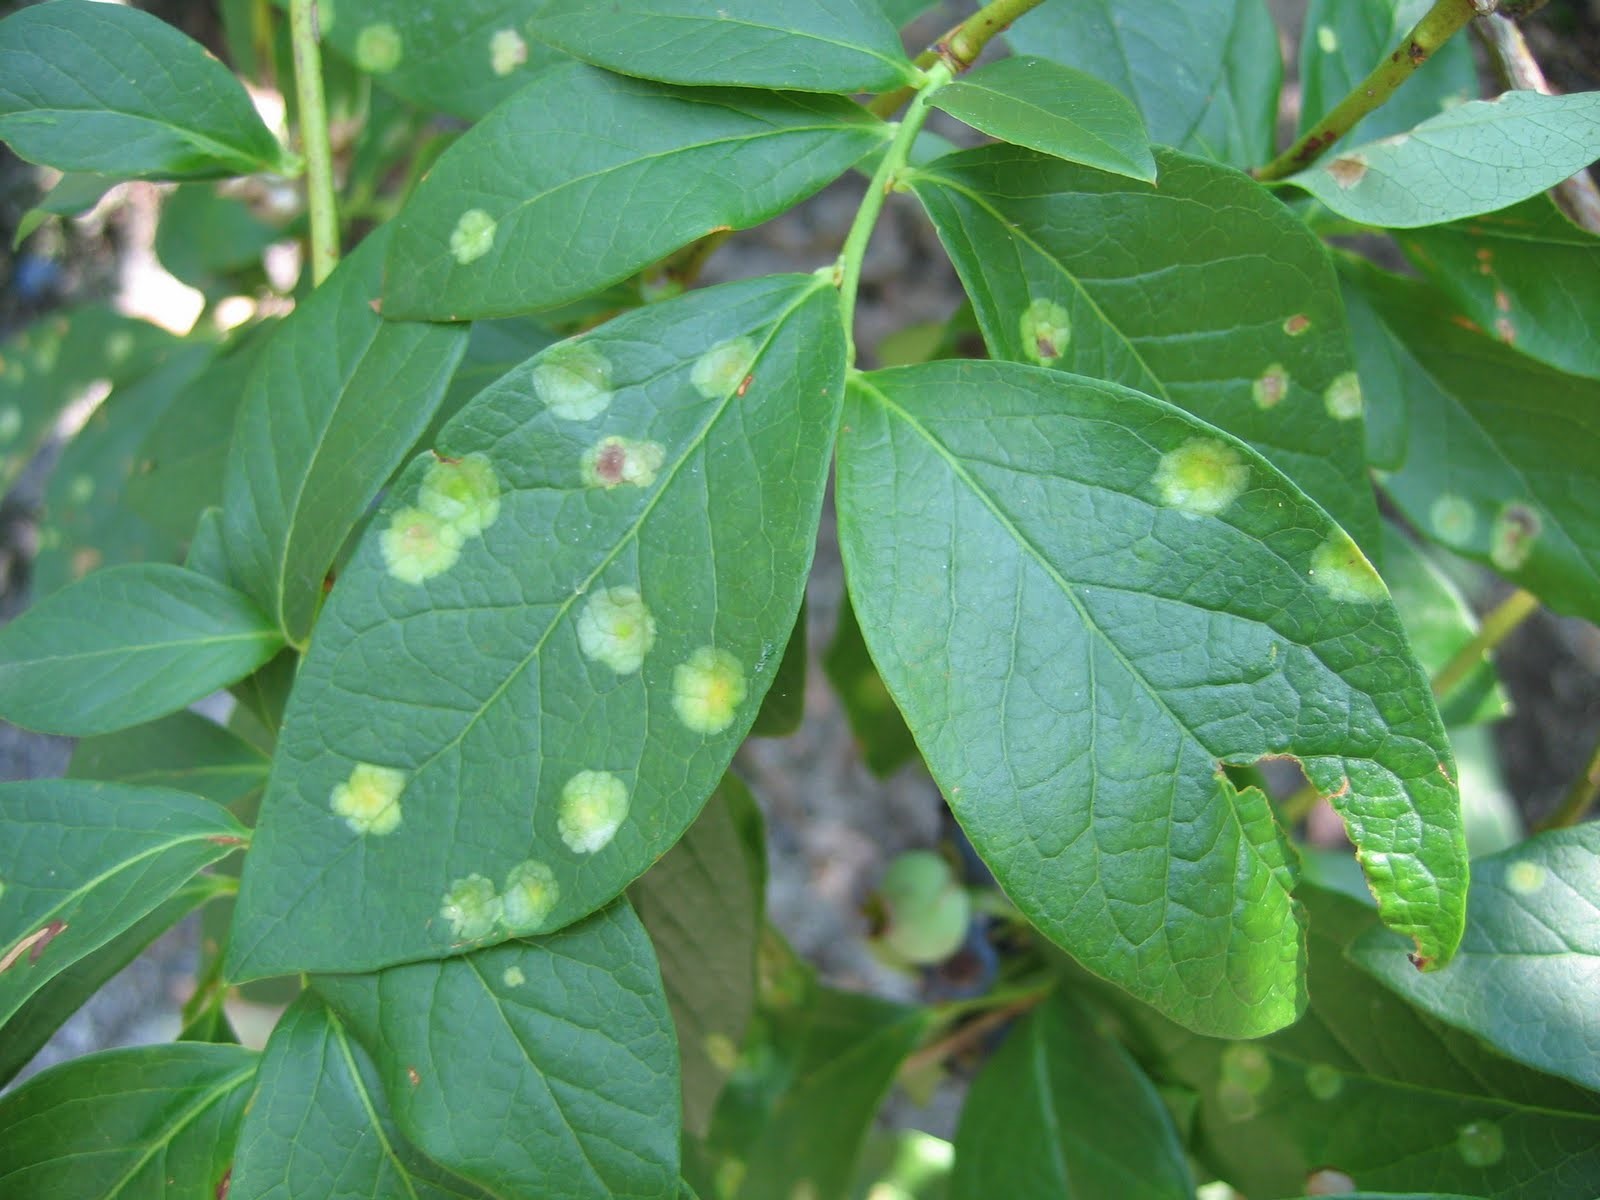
(615,628)
(708,689)
(1516,529)
(574,381)
(417,545)
(1453,519)
(1201,477)
(378,48)
(471,907)
(513,977)
(473,236)
(531,892)
(1327,39)
(721,369)
(1525,878)
(369,801)
(724,1055)
(1343,397)
(1046,329)
(462,493)
(507,51)
(1269,390)
(593,806)
(1339,568)
(615,460)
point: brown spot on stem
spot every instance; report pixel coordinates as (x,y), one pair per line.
(1417,53)
(225,839)
(225,1183)
(744,385)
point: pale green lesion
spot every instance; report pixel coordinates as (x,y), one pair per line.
(530,894)
(1517,528)
(616,629)
(473,236)
(1339,568)
(1525,878)
(463,493)
(1343,397)
(369,800)
(418,544)
(1452,519)
(1270,387)
(379,48)
(594,805)
(1324,1082)
(507,51)
(513,977)
(708,689)
(574,381)
(721,370)
(617,460)
(1480,1143)
(472,907)
(1202,477)
(1046,330)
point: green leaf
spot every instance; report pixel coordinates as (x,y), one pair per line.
(1439,622)
(1376,1091)
(1489,452)
(1204,73)
(33,1023)
(127,645)
(880,731)
(179,465)
(51,362)
(319,1126)
(335,399)
(1061,1110)
(86,522)
(114,91)
(1204,291)
(784,707)
(580,616)
(566,1041)
(903,12)
(462,58)
(152,1121)
(82,862)
(184,752)
(1086,603)
(203,237)
(72,195)
(1524,979)
(124,646)
(1056,110)
(557,192)
(702,906)
(494,348)
(1343,40)
(1528,275)
(797,1114)
(840,46)
(1475,158)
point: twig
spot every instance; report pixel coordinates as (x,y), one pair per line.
(969,1034)
(1580,798)
(314,138)
(959,47)
(1497,625)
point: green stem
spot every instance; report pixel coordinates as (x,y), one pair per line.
(847,271)
(1580,797)
(1437,26)
(314,139)
(1497,626)
(960,47)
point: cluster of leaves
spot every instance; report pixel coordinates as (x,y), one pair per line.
(500,541)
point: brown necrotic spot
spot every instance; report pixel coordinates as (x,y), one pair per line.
(1516,530)
(617,460)
(1348,170)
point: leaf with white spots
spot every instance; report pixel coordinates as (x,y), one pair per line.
(516,701)
(1527,275)
(1475,158)
(1529,965)
(1486,451)
(585,177)
(1204,73)
(319,1126)
(1086,603)
(537,1068)
(461,57)
(843,46)
(1204,291)
(1366,1095)
(80,863)
(1061,1110)
(333,401)
(1344,39)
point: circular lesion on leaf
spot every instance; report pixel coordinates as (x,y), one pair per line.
(617,460)
(531,893)
(1340,569)
(472,907)
(369,800)
(1046,329)
(473,236)
(462,492)
(1202,477)
(379,48)
(615,628)
(574,381)
(593,806)
(721,370)
(708,689)
(418,544)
